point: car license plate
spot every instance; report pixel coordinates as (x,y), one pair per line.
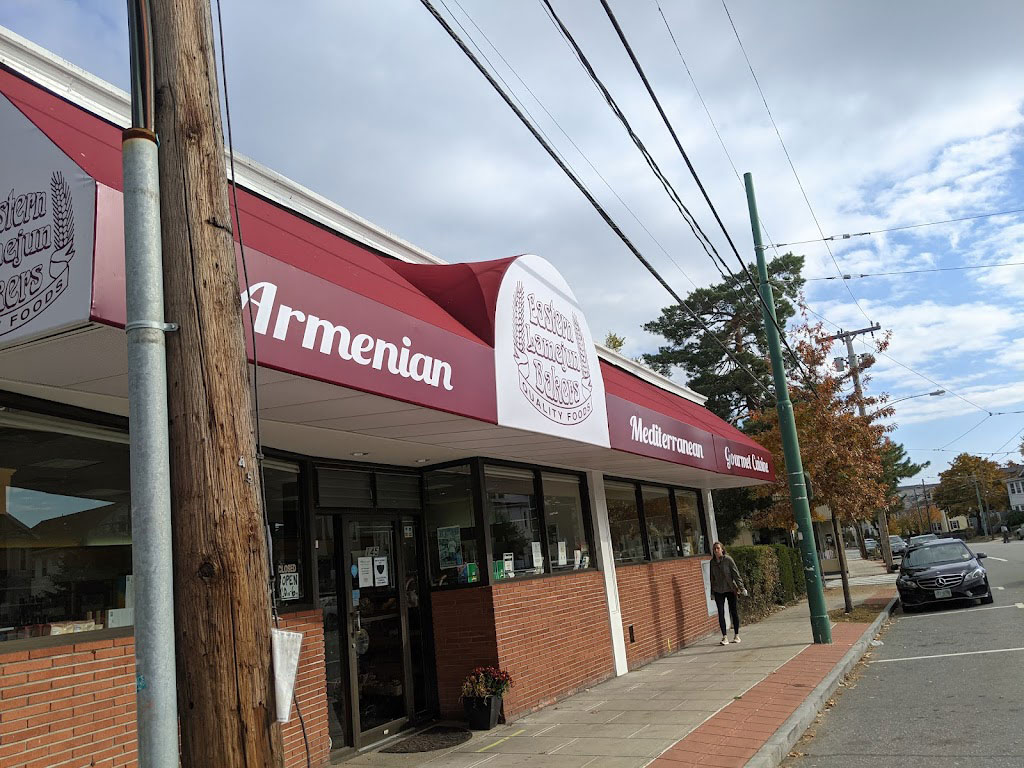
(939,593)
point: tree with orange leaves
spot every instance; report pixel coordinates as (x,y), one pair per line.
(842,451)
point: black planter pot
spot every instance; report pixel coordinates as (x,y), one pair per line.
(482,713)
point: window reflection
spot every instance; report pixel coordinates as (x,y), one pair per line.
(65,532)
(624,522)
(515,522)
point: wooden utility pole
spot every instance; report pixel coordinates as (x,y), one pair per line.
(882,518)
(222,601)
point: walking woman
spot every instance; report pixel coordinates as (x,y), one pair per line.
(725,583)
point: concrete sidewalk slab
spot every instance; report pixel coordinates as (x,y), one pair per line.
(733,698)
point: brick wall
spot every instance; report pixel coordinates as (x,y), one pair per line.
(665,603)
(311,692)
(553,638)
(464,638)
(69,705)
(73,705)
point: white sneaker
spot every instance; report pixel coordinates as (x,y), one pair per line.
(736,639)
(725,640)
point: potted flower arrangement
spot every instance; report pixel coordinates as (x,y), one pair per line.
(482,694)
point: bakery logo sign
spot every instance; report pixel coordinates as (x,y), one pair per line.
(751,461)
(37,242)
(550,354)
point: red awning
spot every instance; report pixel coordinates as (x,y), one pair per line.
(502,341)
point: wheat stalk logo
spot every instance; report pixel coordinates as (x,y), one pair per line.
(63,224)
(581,345)
(519,319)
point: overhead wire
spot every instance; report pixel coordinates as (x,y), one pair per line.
(698,232)
(568,138)
(768,311)
(789,159)
(916,271)
(776,246)
(905,227)
(584,191)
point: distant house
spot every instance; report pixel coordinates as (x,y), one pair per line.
(1013,476)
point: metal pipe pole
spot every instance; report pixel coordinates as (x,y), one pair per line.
(821,627)
(156,691)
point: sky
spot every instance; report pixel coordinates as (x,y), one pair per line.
(893,114)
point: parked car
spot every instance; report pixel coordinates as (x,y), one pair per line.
(897,545)
(870,545)
(924,537)
(940,571)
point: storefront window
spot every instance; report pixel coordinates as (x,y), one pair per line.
(624,522)
(450,522)
(515,522)
(65,529)
(661,532)
(284,512)
(563,515)
(691,534)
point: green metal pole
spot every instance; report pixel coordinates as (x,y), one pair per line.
(821,627)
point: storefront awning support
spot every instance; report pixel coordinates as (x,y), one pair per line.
(152,564)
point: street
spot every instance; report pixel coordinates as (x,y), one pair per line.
(943,690)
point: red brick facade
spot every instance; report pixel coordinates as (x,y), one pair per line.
(666,605)
(74,705)
(464,638)
(553,638)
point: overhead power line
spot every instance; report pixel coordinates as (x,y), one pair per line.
(700,185)
(698,232)
(568,138)
(905,226)
(583,190)
(789,159)
(916,271)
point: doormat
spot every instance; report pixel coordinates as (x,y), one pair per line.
(438,737)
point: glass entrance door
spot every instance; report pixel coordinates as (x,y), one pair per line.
(378,631)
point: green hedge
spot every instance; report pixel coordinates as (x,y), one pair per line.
(786,592)
(797,563)
(759,569)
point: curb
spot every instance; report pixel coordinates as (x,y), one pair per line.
(777,748)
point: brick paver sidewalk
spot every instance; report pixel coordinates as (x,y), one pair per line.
(731,737)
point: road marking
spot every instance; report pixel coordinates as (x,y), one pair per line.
(966,610)
(499,741)
(545,730)
(946,655)
(571,741)
(1000,559)
(481,762)
(1000,588)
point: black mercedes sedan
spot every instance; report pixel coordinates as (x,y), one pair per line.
(940,571)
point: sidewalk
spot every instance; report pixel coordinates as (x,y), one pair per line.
(704,705)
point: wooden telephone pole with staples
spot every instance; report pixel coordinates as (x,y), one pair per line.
(221,586)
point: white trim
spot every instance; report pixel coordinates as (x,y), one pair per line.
(114,105)
(606,562)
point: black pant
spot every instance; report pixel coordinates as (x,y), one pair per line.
(734,614)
